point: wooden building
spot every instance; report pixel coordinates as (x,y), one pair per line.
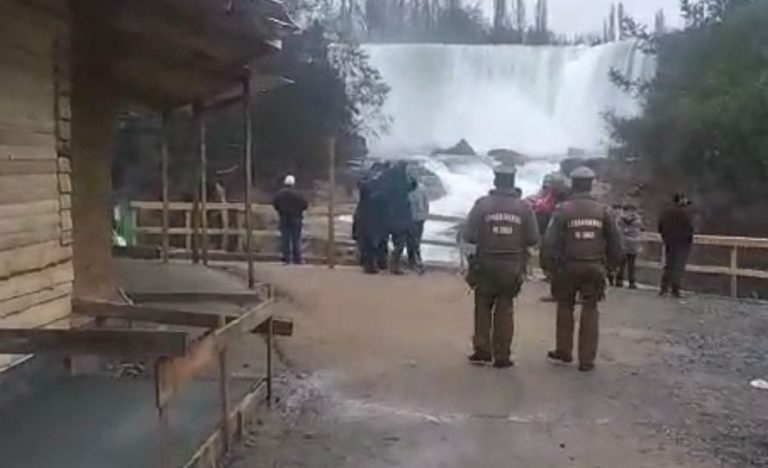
(65,67)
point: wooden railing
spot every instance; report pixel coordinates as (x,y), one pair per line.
(735,258)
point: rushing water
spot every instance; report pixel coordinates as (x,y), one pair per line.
(540,101)
(535,100)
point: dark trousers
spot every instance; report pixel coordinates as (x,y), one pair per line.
(373,253)
(494,323)
(498,284)
(628,267)
(588,281)
(398,247)
(676,258)
(413,244)
(290,241)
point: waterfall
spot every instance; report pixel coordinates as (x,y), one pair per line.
(535,100)
(539,101)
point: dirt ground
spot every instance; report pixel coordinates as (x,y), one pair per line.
(376,376)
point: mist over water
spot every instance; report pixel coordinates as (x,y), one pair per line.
(535,100)
(539,101)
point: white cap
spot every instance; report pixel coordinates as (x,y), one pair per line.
(290,180)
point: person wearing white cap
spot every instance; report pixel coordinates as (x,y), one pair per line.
(290,205)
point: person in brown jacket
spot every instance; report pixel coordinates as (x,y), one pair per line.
(581,242)
(503,228)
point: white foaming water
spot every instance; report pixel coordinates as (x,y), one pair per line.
(539,101)
(535,100)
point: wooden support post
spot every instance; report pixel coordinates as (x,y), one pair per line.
(248,175)
(200,134)
(196,215)
(225,230)
(224,394)
(164,436)
(734,272)
(188,226)
(331,203)
(164,150)
(270,351)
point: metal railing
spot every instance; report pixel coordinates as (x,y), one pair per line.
(734,259)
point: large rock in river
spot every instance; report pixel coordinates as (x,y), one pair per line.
(462,148)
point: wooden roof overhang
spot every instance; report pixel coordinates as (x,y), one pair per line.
(169,53)
(173,52)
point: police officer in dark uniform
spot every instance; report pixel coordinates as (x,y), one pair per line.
(502,227)
(581,242)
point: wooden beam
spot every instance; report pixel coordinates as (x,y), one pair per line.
(241,299)
(128,343)
(162,315)
(26,167)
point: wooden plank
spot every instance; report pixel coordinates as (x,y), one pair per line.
(242,299)
(17,240)
(26,166)
(15,210)
(36,281)
(125,343)
(9,151)
(28,188)
(31,222)
(146,314)
(22,303)
(47,314)
(15,136)
(32,257)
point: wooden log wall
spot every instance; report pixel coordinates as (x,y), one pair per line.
(36,272)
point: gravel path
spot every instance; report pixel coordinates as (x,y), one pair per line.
(376,376)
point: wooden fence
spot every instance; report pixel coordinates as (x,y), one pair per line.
(737,259)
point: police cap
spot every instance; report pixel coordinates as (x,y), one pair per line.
(583,173)
(505,170)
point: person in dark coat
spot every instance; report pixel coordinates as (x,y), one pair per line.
(370,228)
(290,206)
(677,230)
(399,217)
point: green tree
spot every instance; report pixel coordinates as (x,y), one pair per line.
(704,124)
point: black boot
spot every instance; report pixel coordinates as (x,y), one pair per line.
(503,363)
(557,357)
(480,358)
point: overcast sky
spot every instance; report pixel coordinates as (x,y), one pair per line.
(582,16)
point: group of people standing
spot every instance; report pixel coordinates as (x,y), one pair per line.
(580,242)
(393,208)
(584,244)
